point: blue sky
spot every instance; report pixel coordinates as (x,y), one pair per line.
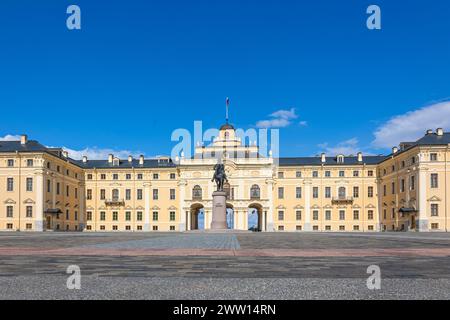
(137,70)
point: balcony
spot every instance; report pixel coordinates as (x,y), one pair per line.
(115,202)
(342,200)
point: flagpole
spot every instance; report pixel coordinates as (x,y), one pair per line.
(226,104)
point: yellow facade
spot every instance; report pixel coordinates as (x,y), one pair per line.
(43,189)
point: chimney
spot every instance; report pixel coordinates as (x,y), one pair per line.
(110,158)
(360,157)
(84,159)
(429,131)
(141,159)
(130,159)
(23,139)
(394,150)
(323,158)
(440,131)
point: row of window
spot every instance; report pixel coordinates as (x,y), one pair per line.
(412,161)
(327,215)
(128,216)
(342,192)
(127,228)
(10,211)
(11,162)
(58,189)
(434,212)
(10,184)
(115,194)
(328,228)
(327,174)
(128,176)
(434,183)
(58,169)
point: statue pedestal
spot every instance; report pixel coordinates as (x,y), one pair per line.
(219,211)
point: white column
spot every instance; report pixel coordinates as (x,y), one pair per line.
(147,206)
(307,226)
(183,225)
(54,191)
(39,222)
(263,220)
(81,197)
(270,213)
(422,185)
(207,219)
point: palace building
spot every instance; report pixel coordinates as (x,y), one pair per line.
(43,189)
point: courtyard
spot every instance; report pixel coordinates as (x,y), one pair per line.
(241,265)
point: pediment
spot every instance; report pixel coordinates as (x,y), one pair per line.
(29,201)
(128,207)
(155,208)
(315,207)
(139,208)
(356,206)
(298,207)
(281,207)
(172,208)
(370,206)
(328,206)
(9,201)
(434,198)
(90,208)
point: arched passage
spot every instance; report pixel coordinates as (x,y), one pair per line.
(197,216)
(255,217)
(230,216)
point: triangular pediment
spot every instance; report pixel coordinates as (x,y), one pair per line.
(370,206)
(9,201)
(155,208)
(434,198)
(29,201)
(172,208)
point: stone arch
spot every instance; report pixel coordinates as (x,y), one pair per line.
(197,216)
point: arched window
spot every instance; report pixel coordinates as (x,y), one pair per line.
(341,192)
(255,192)
(227,135)
(197,192)
(115,194)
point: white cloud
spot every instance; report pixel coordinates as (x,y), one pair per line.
(412,125)
(279,119)
(303,123)
(347,147)
(100,154)
(10,137)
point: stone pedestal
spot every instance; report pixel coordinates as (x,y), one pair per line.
(219,211)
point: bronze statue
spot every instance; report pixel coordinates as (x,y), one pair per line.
(219,176)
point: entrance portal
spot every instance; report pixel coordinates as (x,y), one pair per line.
(255,217)
(197,217)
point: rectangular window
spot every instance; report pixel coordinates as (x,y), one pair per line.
(139,194)
(103,176)
(370,192)
(128,215)
(280,228)
(172,228)
(76,193)
(355,192)
(29,211)
(370,173)
(393,213)
(298,174)
(298,228)
(298,192)
(29,184)
(413,182)
(89,176)
(172,215)
(172,194)
(155,176)
(9,211)
(384,190)
(356,173)
(9,226)
(402,185)
(280,193)
(10,184)
(370,215)
(115,176)
(341,215)
(29,226)
(89,215)
(58,187)
(315,174)
(29,162)
(327,174)
(128,194)
(115,228)
(155,228)
(393,187)
(155,194)
(434,180)
(10,163)
(327,192)
(76,216)
(370,228)
(355,215)
(341,173)
(328,215)
(315,215)
(155,215)
(128,176)
(67,191)
(172,176)
(102,215)
(355,228)
(115,216)
(280,175)
(315,192)
(89,194)
(140,176)
(139,216)
(280,215)
(298,215)
(435,226)
(433,156)
(102,194)
(67,215)
(434,210)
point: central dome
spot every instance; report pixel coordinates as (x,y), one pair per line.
(226,126)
